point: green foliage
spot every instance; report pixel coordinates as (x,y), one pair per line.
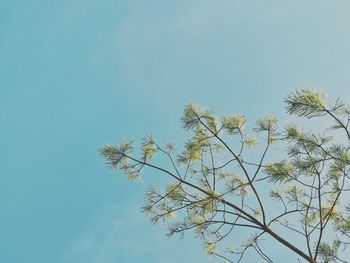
(116,156)
(250,142)
(234,124)
(176,192)
(306,103)
(217,186)
(329,252)
(149,147)
(191,115)
(280,172)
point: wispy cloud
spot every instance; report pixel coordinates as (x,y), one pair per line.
(117,234)
(107,239)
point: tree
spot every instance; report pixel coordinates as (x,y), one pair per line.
(222,181)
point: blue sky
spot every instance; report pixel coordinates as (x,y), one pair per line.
(77,74)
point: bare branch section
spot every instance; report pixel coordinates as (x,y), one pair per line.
(222,186)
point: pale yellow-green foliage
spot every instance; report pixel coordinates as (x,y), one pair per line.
(217,184)
(234,123)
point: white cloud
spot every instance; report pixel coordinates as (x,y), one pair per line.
(107,238)
(117,234)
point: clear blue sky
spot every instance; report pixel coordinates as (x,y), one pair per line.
(76,74)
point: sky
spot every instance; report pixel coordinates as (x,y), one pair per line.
(78,74)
